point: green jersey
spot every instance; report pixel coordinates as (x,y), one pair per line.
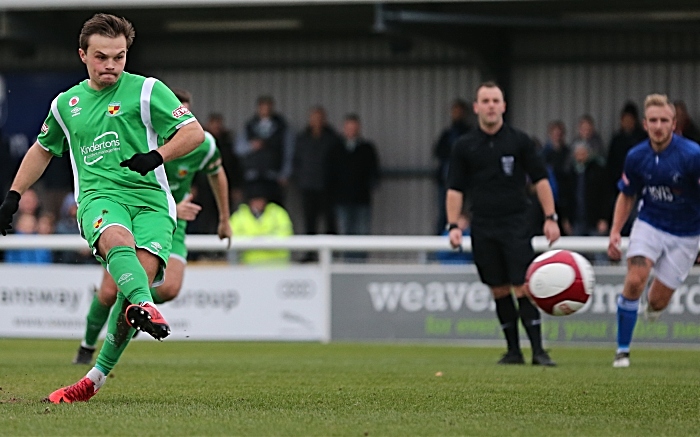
(100,129)
(181,171)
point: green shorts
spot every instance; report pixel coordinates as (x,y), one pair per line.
(152,229)
(179,250)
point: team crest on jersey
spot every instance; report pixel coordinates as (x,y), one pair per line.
(113,108)
(44,128)
(97,222)
(73,101)
(182,171)
(180,111)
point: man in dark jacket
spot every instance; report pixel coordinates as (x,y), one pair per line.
(442,150)
(310,171)
(354,175)
(584,195)
(629,135)
(266,148)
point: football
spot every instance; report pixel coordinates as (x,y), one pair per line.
(560,282)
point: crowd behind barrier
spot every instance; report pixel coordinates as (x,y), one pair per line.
(337,172)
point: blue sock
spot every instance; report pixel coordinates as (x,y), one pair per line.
(626,319)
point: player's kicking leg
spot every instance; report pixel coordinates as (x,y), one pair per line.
(134,272)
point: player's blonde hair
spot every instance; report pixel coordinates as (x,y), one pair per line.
(658,100)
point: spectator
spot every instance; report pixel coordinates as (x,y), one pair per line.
(29,203)
(457,256)
(684,124)
(266,148)
(258,217)
(67,224)
(224,141)
(584,203)
(27,224)
(442,150)
(54,184)
(587,134)
(354,175)
(556,152)
(628,135)
(557,156)
(311,171)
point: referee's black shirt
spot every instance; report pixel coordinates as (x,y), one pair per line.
(492,169)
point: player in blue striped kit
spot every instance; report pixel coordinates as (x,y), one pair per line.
(664,171)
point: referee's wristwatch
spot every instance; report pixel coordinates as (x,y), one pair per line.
(450,226)
(554,217)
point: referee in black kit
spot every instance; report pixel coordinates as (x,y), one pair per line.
(493,162)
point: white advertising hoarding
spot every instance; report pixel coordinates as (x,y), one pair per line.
(216,302)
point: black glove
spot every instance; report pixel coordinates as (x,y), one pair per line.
(7,209)
(142,163)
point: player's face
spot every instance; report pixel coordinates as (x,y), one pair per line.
(105,59)
(659,122)
(489,106)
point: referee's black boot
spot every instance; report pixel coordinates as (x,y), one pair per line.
(542,359)
(512,357)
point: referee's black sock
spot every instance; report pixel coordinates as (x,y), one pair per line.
(508,316)
(530,316)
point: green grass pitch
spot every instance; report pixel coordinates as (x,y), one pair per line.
(342,389)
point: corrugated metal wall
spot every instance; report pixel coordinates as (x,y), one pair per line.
(402,109)
(545,92)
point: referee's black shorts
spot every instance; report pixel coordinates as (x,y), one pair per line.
(502,249)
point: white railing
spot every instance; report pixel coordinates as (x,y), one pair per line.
(321,243)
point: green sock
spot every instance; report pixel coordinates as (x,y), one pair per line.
(156,298)
(128,273)
(96,319)
(119,333)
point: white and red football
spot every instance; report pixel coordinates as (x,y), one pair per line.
(560,282)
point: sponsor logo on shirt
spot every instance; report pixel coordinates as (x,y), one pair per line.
(97,222)
(73,101)
(76,111)
(660,193)
(182,171)
(113,109)
(44,128)
(180,111)
(107,142)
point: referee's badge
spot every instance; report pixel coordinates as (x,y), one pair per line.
(507,163)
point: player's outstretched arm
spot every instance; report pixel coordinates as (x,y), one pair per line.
(219,186)
(33,166)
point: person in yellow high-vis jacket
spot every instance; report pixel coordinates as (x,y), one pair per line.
(258,217)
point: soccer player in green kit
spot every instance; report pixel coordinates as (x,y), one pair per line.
(110,124)
(181,173)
